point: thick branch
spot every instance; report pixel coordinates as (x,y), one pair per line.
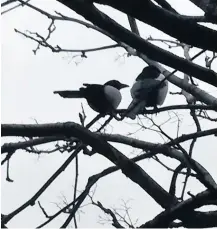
(172,24)
(175,107)
(128,167)
(32,200)
(9,147)
(91,181)
(181,209)
(92,14)
(7,2)
(198,134)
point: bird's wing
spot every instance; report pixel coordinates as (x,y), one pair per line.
(139,92)
(69,94)
(141,88)
(97,98)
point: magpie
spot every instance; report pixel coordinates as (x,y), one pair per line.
(103,99)
(147,91)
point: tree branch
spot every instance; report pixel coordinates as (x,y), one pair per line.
(195,91)
(128,167)
(32,200)
(181,210)
(7,2)
(92,14)
(166,21)
(8,147)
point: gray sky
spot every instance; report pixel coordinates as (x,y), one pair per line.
(28,82)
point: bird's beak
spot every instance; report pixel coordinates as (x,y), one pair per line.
(124,85)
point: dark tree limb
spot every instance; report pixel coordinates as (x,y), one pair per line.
(108,211)
(91,13)
(172,24)
(128,167)
(32,200)
(7,2)
(198,134)
(91,181)
(172,189)
(195,91)
(8,147)
(181,210)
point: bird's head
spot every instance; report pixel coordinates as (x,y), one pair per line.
(116,84)
(149,72)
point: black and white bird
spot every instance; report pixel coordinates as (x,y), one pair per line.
(147,91)
(103,99)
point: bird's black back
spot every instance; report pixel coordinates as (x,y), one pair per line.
(149,72)
(94,94)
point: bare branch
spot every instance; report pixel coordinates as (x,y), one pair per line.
(57,49)
(198,134)
(75,187)
(129,168)
(166,217)
(108,211)
(43,210)
(8,147)
(32,200)
(7,2)
(14,7)
(106,23)
(166,21)
(116,32)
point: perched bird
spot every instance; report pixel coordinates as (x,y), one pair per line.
(147,91)
(103,99)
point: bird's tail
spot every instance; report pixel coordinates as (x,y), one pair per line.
(135,108)
(70,94)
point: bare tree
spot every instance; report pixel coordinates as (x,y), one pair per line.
(187,33)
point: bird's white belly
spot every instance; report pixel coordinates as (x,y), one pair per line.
(163,91)
(162,95)
(113,95)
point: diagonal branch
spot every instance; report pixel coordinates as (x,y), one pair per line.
(128,167)
(170,23)
(198,134)
(12,8)
(32,200)
(91,13)
(195,91)
(181,209)
(7,2)
(108,211)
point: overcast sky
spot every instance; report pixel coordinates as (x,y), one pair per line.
(28,82)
